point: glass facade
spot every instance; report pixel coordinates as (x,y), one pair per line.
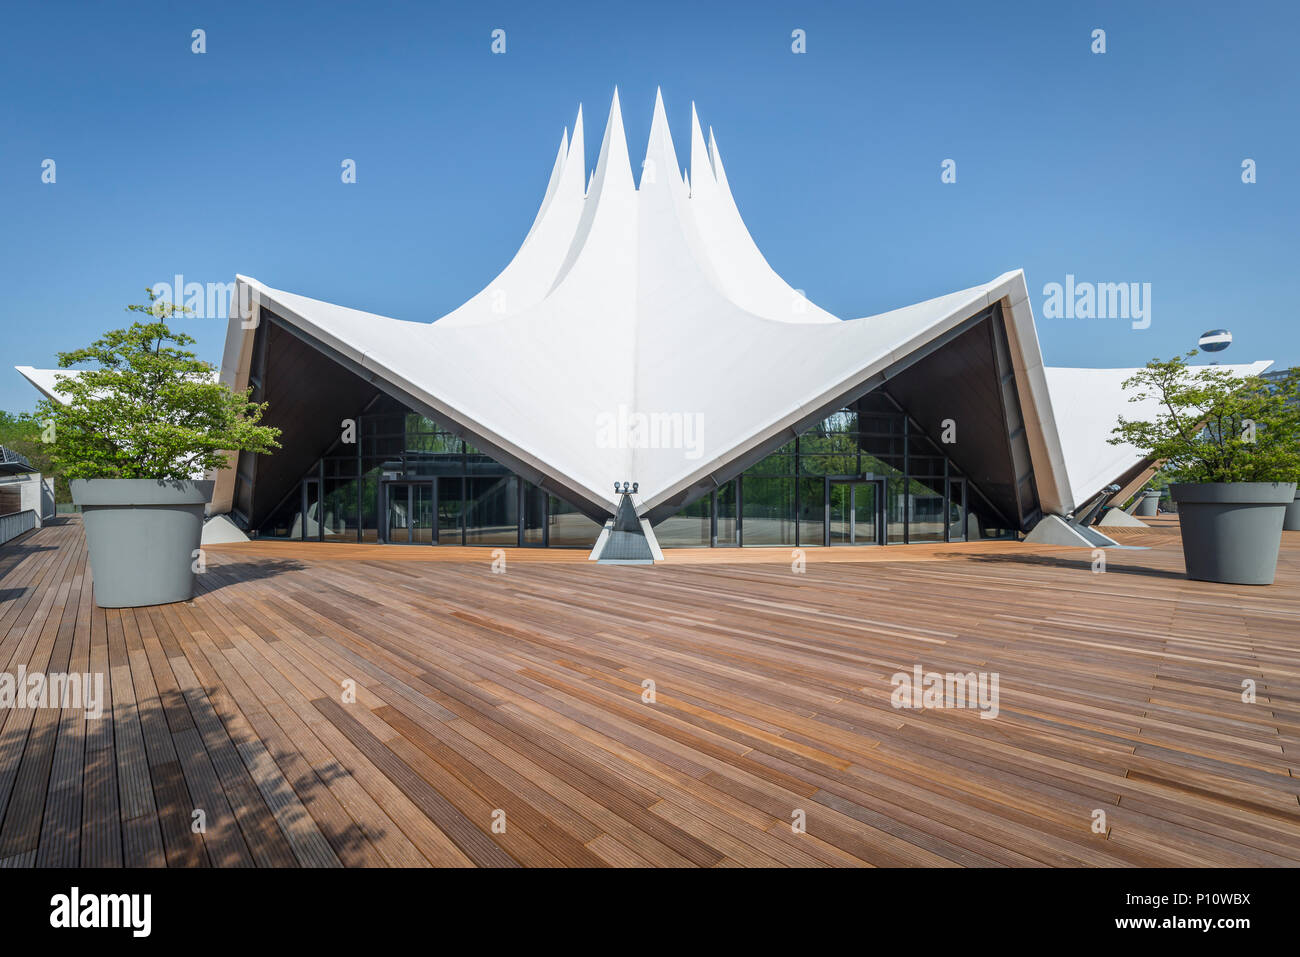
(692,525)
(407,480)
(864,475)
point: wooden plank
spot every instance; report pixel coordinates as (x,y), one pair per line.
(478,693)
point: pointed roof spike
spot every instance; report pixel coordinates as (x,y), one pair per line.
(552,184)
(719,171)
(577,146)
(659,151)
(701,165)
(614,167)
(573,175)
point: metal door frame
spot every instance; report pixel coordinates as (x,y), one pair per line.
(854,480)
(947,508)
(320,508)
(385,493)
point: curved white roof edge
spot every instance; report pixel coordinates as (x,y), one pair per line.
(46,379)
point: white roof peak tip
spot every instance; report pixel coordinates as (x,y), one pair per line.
(577,134)
(614,166)
(577,149)
(701,162)
(255,284)
(660,154)
(553,183)
(719,171)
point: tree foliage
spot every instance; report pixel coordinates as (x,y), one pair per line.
(151,408)
(1213,426)
(21,432)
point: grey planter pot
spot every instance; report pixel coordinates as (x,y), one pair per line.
(141,534)
(1292,522)
(1232,530)
(1147,507)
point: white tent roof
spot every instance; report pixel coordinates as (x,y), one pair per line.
(1088,404)
(652,300)
(45,380)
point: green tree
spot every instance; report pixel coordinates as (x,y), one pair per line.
(1213,426)
(21,432)
(152,409)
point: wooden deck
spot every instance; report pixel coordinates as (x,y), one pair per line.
(482,693)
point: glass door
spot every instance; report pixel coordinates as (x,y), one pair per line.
(853,512)
(409,509)
(309,525)
(867,500)
(450,504)
(839,514)
(397,513)
(534,515)
(422,511)
(956,510)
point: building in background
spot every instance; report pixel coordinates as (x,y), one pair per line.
(25,500)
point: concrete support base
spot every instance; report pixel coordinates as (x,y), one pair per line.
(1054,530)
(1120,518)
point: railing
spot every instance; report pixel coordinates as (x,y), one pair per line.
(10,457)
(14,524)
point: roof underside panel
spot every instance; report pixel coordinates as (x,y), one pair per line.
(308,397)
(958,384)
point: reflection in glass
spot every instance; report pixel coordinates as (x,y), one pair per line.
(956,510)
(866,509)
(422,513)
(534,515)
(768,505)
(840,513)
(492,510)
(477,499)
(286,520)
(340,524)
(398,514)
(895,511)
(725,504)
(926,516)
(569,528)
(450,506)
(307,525)
(812,512)
(370,506)
(689,527)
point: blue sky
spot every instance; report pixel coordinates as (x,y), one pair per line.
(1118,167)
